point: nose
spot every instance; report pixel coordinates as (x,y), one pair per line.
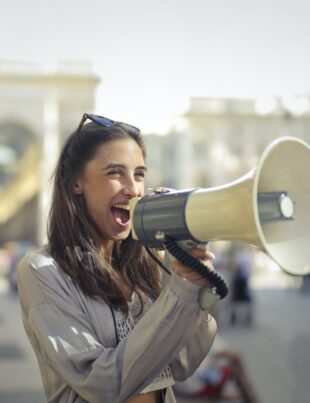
(132,188)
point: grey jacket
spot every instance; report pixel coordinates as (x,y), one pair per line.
(73,336)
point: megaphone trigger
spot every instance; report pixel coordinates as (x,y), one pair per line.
(205,258)
(190,244)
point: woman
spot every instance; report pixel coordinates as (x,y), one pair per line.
(105,324)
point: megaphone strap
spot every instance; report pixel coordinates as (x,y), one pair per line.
(157,260)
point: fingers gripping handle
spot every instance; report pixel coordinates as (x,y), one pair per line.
(179,253)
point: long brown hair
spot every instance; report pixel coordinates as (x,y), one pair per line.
(72,237)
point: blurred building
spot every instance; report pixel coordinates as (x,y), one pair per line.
(38,109)
(217,140)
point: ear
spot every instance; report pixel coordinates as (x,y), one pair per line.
(78,187)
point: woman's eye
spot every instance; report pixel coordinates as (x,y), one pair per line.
(115,172)
(140,174)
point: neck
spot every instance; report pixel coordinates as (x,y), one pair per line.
(106,249)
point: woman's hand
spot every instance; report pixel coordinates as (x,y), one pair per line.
(205,257)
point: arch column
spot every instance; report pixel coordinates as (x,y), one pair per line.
(50,151)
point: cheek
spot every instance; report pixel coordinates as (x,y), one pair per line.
(142,188)
(94,198)
(99,197)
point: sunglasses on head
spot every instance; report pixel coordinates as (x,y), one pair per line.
(100,120)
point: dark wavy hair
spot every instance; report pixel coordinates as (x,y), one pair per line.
(73,238)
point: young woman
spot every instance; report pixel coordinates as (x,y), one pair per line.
(105,323)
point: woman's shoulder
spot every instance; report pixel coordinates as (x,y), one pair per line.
(40,279)
(39,265)
(37,259)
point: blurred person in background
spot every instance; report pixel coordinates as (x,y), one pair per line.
(221,375)
(305,284)
(16,250)
(241,295)
(105,323)
(5,262)
(235,263)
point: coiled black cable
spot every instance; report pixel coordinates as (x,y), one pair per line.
(215,279)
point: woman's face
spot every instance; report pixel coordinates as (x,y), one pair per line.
(113,177)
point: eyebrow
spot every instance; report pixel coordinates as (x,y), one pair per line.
(117,165)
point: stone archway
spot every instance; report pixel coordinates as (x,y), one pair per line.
(38,109)
(19,182)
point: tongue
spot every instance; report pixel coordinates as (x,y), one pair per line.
(121,216)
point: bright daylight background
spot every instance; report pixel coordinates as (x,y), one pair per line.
(153,55)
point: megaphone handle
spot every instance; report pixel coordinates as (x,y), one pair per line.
(215,279)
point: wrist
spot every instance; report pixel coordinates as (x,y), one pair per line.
(207,298)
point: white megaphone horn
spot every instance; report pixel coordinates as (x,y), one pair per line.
(268,208)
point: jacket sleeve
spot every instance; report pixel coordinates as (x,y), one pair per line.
(193,353)
(195,350)
(65,337)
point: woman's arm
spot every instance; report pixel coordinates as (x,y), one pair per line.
(65,337)
(196,349)
(192,354)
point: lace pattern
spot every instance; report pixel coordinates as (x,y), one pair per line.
(124,326)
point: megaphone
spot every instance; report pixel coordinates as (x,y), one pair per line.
(267,208)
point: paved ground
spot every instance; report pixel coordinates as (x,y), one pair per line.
(19,375)
(275,349)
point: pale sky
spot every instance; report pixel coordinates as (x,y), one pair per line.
(153,55)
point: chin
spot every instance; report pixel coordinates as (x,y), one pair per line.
(121,236)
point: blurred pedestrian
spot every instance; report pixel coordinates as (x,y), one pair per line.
(16,250)
(241,295)
(221,375)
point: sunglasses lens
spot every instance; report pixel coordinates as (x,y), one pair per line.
(102,121)
(129,128)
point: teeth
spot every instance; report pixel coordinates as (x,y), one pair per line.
(124,207)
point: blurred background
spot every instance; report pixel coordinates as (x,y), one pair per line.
(210,84)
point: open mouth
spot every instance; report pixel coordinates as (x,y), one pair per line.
(121,214)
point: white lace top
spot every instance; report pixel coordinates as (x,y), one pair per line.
(124,325)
